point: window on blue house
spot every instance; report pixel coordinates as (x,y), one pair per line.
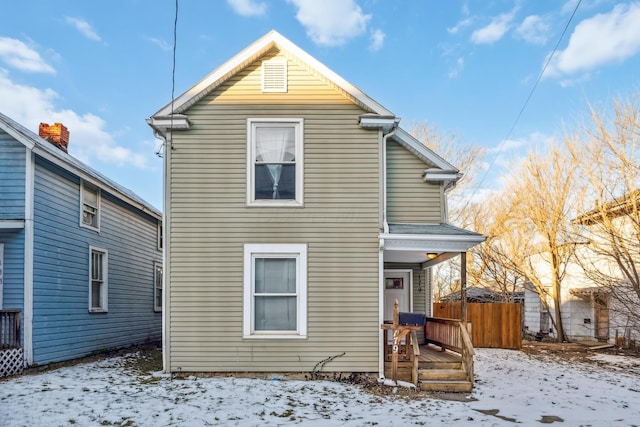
(90,209)
(98,283)
(157,286)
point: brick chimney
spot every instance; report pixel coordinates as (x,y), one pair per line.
(58,135)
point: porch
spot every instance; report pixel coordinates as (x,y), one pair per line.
(443,363)
(11,353)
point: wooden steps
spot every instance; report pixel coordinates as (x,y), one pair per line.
(446,385)
(442,371)
(441,374)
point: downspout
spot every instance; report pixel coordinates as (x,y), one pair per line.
(165,232)
(385,226)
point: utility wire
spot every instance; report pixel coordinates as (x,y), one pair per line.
(526,102)
(173,72)
(169,141)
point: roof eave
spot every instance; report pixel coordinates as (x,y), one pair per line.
(161,124)
(423,152)
(431,242)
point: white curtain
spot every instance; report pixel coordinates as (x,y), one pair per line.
(275,146)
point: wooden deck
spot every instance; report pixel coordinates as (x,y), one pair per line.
(431,353)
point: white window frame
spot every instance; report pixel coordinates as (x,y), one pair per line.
(253,251)
(266,69)
(160,235)
(298,125)
(156,265)
(84,186)
(104,289)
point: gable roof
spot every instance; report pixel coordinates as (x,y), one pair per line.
(171,115)
(271,40)
(66,161)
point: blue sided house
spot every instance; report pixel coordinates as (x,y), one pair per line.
(80,256)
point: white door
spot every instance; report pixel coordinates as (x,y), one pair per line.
(397,285)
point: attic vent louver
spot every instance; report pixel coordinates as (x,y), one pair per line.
(274,75)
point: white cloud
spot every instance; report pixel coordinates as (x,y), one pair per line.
(20,56)
(460,25)
(331,22)
(377,39)
(248,7)
(161,44)
(89,139)
(457,68)
(534,29)
(493,32)
(602,39)
(84,27)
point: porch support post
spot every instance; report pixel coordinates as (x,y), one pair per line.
(463,287)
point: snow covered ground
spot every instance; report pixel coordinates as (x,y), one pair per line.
(511,387)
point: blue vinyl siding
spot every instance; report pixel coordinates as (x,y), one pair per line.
(63,328)
(12,174)
(13,294)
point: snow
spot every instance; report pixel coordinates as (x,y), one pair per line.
(511,387)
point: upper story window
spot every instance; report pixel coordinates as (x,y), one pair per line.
(90,199)
(275,167)
(274,75)
(98,284)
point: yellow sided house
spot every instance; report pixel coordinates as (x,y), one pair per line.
(296,212)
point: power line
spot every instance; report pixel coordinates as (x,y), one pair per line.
(169,141)
(173,71)
(526,102)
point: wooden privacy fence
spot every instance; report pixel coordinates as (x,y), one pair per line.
(495,325)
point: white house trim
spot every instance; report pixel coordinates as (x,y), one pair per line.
(28,255)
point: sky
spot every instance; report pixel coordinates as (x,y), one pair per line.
(467,67)
(511,388)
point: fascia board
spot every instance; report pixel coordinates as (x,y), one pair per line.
(16,135)
(405,139)
(436,243)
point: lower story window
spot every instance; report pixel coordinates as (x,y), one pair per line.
(98,284)
(157,286)
(275,291)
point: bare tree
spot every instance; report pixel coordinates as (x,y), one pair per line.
(468,159)
(494,261)
(539,202)
(609,154)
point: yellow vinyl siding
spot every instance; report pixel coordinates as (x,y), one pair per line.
(409,198)
(210,223)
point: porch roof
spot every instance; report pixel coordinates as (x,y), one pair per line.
(411,242)
(588,292)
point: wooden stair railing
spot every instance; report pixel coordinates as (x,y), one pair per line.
(400,332)
(452,334)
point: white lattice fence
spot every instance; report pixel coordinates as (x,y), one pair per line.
(11,362)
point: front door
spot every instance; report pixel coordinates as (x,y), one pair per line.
(601,311)
(397,285)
